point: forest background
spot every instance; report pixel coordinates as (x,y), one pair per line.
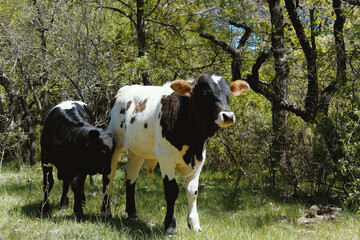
(297,130)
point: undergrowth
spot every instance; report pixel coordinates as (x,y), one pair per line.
(246,213)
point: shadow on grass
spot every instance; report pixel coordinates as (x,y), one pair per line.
(135,229)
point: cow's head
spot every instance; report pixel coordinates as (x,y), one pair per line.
(99,149)
(209,95)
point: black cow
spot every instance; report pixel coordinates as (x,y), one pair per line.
(71,144)
(171,125)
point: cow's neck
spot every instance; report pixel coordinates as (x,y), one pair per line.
(181,127)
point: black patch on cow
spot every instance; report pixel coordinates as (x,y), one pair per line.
(145,125)
(191,120)
(122,123)
(179,129)
(196,192)
(159,116)
(132,120)
(122,111)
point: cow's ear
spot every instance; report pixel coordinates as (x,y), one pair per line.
(94,135)
(182,87)
(238,87)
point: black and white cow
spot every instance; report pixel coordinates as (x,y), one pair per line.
(71,144)
(170,124)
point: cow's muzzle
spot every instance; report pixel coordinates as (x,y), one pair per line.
(225,119)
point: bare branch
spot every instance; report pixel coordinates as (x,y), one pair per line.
(119,11)
(226,47)
(246,35)
(253,78)
(152,10)
(128,6)
(353,2)
(65,74)
(311,99)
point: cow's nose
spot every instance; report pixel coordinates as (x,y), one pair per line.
(229,117)
(225,119)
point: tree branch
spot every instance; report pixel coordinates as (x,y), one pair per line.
(227,48)
(311,99)
(246,35)
(66,75)
(340,78)
(353,2)
(253,78)
(119,11)
(152,10)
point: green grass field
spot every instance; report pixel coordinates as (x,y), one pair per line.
(223,214)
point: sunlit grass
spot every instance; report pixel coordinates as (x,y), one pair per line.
(224,214)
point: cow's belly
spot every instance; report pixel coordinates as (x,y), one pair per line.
(140,140)
(185,170)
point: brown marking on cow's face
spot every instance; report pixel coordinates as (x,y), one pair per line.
(132,120)
(128,105)
(140,106)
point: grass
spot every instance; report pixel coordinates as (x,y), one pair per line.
(223,214)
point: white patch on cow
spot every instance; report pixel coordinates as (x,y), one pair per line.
(222,122)
(192,184)
(216,78)
(69,104)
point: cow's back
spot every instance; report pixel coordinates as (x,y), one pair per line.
(135,118)
(62,120)
(63,137)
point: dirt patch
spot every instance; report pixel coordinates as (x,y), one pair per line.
(318,213)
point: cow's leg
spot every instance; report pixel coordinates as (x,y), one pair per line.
(48,183)
(79,193)
(171,190)
(132,169)
(150,166)
(64,201)
(107,182)
(192,183)
(167,166)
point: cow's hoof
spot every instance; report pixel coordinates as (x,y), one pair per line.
(79,216)
(170,231)
(132,217)
(64,205)
(195,226)
(63,208)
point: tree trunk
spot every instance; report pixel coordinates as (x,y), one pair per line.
(279,85)
(141,35)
